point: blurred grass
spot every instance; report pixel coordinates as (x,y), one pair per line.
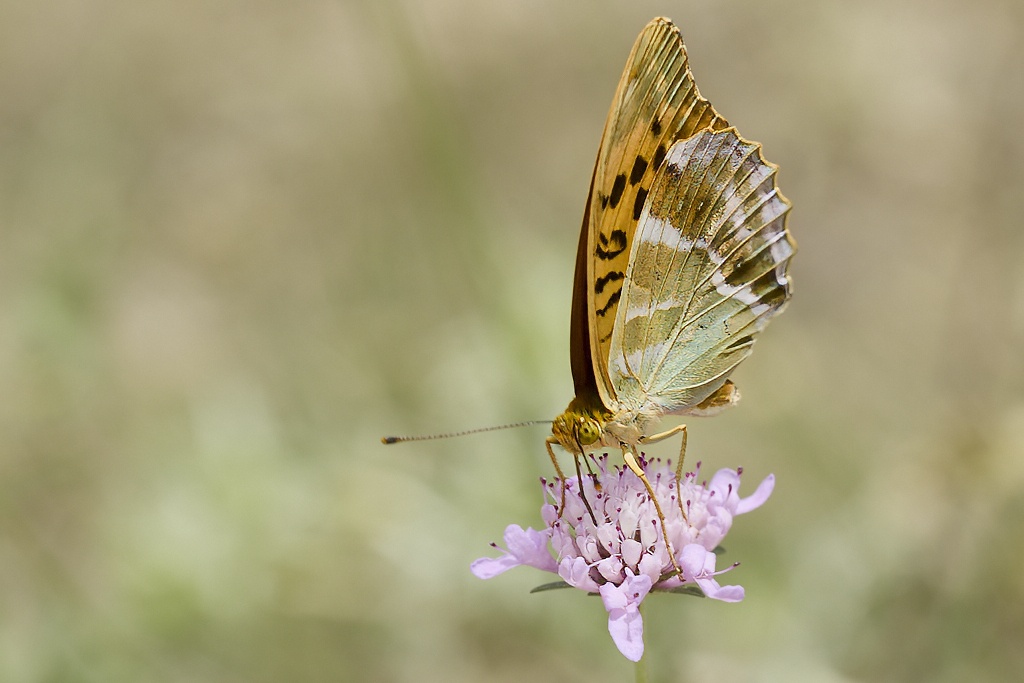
(241,241)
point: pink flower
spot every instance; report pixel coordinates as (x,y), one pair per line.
(620,552)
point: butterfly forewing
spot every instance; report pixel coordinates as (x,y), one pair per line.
(707,270)
(656,104)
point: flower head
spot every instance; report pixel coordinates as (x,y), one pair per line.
(620,552)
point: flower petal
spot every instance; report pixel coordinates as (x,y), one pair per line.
(724,593)
(758,497)
(692,560)
(725,485)
(699,565)
(530,547)
(625,625)
(610,569)
(631,551)
(489,567)
(627,632)
(576,572)
(651,565)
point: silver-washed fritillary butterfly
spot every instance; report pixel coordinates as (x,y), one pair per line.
(682,259)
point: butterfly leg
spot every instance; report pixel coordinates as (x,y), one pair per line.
(655,438)
(679,473)
(558,470)
(561,478)
(629,455)
(583,493)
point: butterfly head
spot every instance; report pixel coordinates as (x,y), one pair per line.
(581,425)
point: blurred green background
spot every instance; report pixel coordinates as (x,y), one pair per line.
(243,240)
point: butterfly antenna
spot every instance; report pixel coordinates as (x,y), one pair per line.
(400,439)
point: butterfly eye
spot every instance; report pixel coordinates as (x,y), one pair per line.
(588,432)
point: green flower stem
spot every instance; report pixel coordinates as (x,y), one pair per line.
(640,668)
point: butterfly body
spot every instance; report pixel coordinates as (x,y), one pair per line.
(682,259)
(588,425)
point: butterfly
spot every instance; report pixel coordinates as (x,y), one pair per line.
(682,260)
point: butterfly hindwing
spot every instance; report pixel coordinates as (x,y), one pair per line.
(656,104)
(707,270)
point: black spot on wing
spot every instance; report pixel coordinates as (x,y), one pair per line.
(611,246)
(659,156)
(741,342)
(743,272)
(638,205)
(656,127)
(603,281)
(612,300)
(769,291)
(618,187)
(603,198)
(639,168)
